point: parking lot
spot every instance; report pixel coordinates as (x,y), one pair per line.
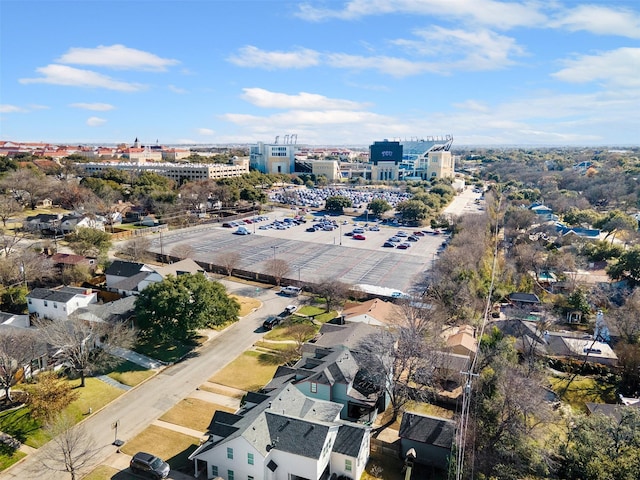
(319,255)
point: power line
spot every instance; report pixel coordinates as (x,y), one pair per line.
(461,435)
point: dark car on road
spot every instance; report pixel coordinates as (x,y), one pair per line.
(149,466)
(271,322)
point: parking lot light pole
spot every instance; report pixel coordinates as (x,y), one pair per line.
(275,247)
(298,267)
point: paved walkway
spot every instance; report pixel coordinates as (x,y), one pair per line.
(217,398)
(110,381)
(136,358)
(180,429)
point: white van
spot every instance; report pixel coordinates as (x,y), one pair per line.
(290,291)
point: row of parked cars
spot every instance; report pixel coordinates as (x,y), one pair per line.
(402,239)
(244,222)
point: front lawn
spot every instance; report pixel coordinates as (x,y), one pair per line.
(105,472)
(250,371)
(21,425)
(130,373)
(193,413)
(171,446)
(247,304)
(583,390)
(170,351)
(9,456)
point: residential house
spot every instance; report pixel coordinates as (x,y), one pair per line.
(175,269)
(461,340)
(124,277)
(430,437)
(528,301)
(118,311)
(14,320)
(374,312)
(69,223)
(60,302)
(42,221)
(66,260)
(282,436)
(568,345)
(544,213)
(335,375)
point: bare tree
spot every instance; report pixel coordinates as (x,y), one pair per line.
(229,261)
(8,207)
(71,450)
(84,345)
(279,269)
(17,348)
(28,186)
(182,251)
(399,360)
(9,241)
(627,318)
(137,249)
(334,292)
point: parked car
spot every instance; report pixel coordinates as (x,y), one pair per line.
(270,323)
(291,291)
(401,234)
(374,228)
(311,229)
(359,236)
(418,233)
(413,238)
(395,240)
(389,244)
(358,230)
(404,246)
(149,465)
(242,231)
(289,309)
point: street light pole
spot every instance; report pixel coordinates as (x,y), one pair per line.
(275,247)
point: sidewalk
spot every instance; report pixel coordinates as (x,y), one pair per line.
(137,358)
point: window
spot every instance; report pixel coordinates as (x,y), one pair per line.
(249,477)
(250,458)
(314,387)
(230,475)
(55,305)
(46,304)
(230,453)
(214,470)
(29,301)
(347,465)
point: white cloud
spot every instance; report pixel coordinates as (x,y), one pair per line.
(485,12)
(397,67)
(476,49)
(205,131)
(6,108)
(178,90)
(600,20)
(96,121)
(98,107)
(303,100)
(616,67)
(251,56)
(301,118)
(117,57)
(75,77)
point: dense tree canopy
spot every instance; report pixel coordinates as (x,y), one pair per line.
(338,203)
(176,307)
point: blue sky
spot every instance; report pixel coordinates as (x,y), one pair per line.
(333,72)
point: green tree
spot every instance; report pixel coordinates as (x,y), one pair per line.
(615,221)
(338,203)
(627,267)
(50,395)
(601,447)
(178,306)
(413,210)
(89,242)
(378,206)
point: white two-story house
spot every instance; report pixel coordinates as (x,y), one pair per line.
(283,436)
(58,303)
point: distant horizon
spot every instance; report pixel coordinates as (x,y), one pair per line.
(332,145)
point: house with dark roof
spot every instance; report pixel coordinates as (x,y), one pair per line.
(129,278)
(335,375)
(282,435)
(430,437)
(60,302)
(63,260)
(118,311)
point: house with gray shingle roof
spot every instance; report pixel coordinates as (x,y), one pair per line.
(60,302)
(129,278)
(282,435)
(430,437)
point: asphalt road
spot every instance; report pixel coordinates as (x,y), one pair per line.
(137,408)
